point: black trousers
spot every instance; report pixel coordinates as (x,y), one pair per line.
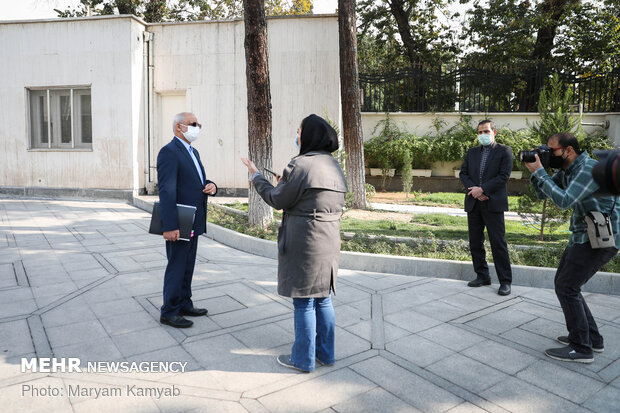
(578,264)
(479,218)
(178,276)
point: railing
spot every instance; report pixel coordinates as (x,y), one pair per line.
(480,88)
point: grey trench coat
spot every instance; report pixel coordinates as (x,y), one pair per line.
(311,193)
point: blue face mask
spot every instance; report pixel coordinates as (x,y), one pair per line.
(484,140)
(297,141)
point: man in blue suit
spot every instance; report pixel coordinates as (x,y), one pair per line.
(484,174)
(181,180)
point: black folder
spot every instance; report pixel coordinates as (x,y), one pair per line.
(186,220)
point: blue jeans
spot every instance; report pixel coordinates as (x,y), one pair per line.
(314,332)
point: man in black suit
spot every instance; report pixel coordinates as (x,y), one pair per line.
(181,180)
(484,174)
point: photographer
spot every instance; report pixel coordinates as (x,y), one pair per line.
(573,186)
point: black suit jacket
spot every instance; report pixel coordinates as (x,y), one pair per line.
(494,178)
(179,183)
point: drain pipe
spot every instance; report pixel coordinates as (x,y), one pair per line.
(148,110)
(605,124)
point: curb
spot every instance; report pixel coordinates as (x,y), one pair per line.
(602,282)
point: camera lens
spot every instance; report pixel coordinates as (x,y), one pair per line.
(606,172)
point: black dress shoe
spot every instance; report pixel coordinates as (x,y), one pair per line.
(504,289)
(479,282)
(194,312)
(176,321)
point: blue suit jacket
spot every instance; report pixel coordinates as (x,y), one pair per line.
(179,183)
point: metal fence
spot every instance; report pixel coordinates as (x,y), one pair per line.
(479,88)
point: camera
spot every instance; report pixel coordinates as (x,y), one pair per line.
(606,173)
(543,152)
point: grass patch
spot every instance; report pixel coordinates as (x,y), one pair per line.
(429,227)
(435,199)
(449,227)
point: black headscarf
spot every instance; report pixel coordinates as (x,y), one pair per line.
(317,135)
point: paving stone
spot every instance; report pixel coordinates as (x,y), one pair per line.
(530,340)
(17,308)
(61,288)
(248,372)
(401,383)
(402,300)
(218,305)
(73,311)
(15,294)
(198,405)
(99,349)
(264,337)
(442,310)
(15,338)
(143,341)
(247,315)
(561,381)
(392,333)
(466,408)
(333,388)
(116,404)
(116,325)
(347,344)
(611,335)
(347,315)
(201,326)
(376,400)
(211,351)
(238,287)
(518,396)
(605,401)
(499,356)
(502,320)
(544,327)
(362,330)
(467,373)
(21,398)
(611,371)
(452,337)
(541,311)
(418,350)
(75,333)
(115,307)
(411,321)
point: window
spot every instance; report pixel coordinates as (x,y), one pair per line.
(60,118)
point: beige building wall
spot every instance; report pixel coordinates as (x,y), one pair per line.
(198,67)
(98,52)
(205,62)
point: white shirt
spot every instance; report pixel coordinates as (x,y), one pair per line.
(191,154)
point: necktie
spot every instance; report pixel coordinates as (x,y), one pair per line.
(483,161)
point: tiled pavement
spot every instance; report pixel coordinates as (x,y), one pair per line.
(83,279)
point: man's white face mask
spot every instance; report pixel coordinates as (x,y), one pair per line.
(192,132)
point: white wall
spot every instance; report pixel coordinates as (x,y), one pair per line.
(422,123)
(206,61)
(101,52)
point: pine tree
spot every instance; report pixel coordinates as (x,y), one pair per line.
(555,116)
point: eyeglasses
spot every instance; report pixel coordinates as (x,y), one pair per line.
(555,149)
(194,124)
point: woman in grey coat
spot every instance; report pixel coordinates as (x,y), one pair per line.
(311,193)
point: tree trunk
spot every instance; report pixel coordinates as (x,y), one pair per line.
(350,96)
(397,7)
(543,220)
(259,102)
(554,11)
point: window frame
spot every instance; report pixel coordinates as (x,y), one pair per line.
(53,96)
